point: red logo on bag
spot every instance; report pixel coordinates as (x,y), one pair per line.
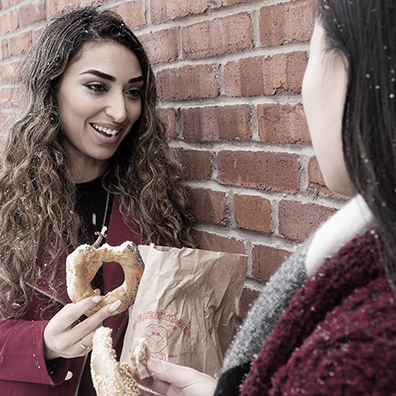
(161,316)
(157,338)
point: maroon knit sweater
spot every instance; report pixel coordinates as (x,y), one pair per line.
(338,335)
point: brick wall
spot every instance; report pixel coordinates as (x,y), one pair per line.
(229,76)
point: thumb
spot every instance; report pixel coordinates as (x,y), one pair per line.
(174,374)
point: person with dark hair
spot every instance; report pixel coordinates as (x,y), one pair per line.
(325,323)
(85,152)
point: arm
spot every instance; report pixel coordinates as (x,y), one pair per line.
(39,351)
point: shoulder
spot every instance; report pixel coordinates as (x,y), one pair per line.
(353,348)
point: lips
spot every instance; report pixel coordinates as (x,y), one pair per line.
(105,131)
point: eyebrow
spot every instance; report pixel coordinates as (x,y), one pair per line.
(109,77)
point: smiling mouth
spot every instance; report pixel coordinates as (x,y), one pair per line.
(105,131)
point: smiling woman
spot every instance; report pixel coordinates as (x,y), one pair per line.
(98,106)
(86,150)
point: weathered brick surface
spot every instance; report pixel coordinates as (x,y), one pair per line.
(20,44)
(208,205)
(168,117)
(208,124)
(133,13)
(315,177)
(197,164)
(9,3)
(282,124)
(31,13)
(253,213)
(219,36)
(3,50)
(8,22)
(286,22)
(265,76)
(161,46)
(56,6)
(225,3)
(259,170)
(266,260)
(209,241)
(7,73)
(246,302)
(162,10)
(188,82)
(298,221)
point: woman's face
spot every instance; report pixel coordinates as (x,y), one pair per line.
(324,91)
(99,100)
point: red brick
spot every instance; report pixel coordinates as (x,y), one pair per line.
(219,36)
(7,73)
(225,3)
(266,261)
(162,10)
(6,97)
(9,3)
(286,22)
(260,170)
(253,213)
(168,117)
(20,44)
(208,205)
(265,76)
(37,34)
(31,13)
(298,221)
(133,14)
(208,124)
(4,50)
(315,177)
(218,243)
(58,6)
(84,3)
(246,302)
(282,124)
(161,46)
(196,164)
(188,82)
(8,22)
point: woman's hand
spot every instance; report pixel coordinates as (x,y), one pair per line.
(65,337)
(173,380)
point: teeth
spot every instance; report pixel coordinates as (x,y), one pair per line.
(111,132)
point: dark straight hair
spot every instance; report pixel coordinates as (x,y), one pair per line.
(363,32)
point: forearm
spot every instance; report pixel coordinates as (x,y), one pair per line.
(22,354)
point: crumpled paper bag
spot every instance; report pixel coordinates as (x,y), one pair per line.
(186,305)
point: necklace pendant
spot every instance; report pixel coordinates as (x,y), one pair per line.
(101,236)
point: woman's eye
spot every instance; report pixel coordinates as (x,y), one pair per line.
(134,93)
(96,87)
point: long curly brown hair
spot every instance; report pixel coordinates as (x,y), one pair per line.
(37,213)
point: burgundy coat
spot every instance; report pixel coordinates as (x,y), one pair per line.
(23,370)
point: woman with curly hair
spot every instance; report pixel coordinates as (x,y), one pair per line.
(85,151)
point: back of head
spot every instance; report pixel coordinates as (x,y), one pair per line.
(363,32)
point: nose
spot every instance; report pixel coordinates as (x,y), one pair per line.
(116,107)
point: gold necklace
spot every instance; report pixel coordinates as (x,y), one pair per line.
(102,234)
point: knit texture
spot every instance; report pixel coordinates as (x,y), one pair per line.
(337,337)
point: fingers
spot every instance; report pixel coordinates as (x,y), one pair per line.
(64,338)
(174,380)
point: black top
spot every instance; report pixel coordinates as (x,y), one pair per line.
(91,205)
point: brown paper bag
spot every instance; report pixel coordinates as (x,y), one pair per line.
(185,306)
